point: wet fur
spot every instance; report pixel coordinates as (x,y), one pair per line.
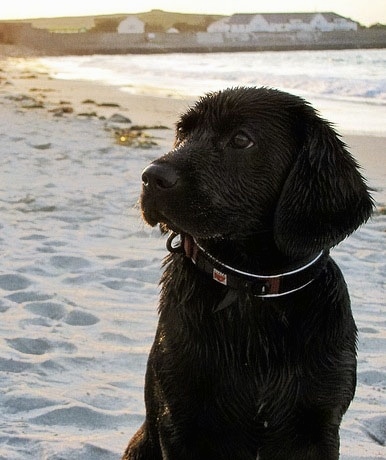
(266,379)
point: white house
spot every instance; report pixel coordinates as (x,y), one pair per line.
(131,25)
(172,30)
(310,22)
(222,25)
(332,21)
(282,22)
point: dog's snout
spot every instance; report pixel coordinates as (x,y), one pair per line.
(159,176)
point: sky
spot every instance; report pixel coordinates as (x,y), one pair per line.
(366,12)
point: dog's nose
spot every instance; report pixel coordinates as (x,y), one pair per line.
(159,176)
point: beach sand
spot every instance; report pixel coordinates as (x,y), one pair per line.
(79,271)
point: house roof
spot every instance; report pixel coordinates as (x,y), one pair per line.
(132,19)
(281,18)
(240,18)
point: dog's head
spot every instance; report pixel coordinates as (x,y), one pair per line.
(254,160)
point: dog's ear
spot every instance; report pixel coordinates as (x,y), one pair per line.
(324,198)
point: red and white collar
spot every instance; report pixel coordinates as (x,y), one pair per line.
(258,285)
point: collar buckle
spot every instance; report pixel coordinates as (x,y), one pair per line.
(175,246)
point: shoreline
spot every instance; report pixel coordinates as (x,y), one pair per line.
(25,51)
(24,76)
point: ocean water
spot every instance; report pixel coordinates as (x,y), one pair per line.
(347,86)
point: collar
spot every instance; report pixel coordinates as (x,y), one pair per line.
(258,285)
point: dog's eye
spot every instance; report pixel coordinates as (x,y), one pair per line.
(241,141)
(180,134)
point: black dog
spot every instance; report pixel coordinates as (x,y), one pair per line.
(255,352)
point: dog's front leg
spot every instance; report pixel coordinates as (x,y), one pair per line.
(141,447)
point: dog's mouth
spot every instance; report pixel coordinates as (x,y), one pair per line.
(168,210)
(166,225)
(153,216)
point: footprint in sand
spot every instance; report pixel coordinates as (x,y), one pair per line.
(376,378)
(376,428)
(4,307)
(38,346)
(117,338)
(16,404)
(14,282)
(368,330)
(87,451)
(50,310)
(57,311)
(28,296)
(80,318)
(116,285)
(29,346)
(69,263)
(34,237)
(80,416)
(14,366)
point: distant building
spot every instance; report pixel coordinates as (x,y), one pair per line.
(222,25)
(131,25)
(172,30)
(283,22)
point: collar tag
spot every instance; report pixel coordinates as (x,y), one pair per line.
(220,277)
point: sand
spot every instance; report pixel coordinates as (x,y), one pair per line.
(79,272)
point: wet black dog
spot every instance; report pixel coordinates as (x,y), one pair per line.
(255,352)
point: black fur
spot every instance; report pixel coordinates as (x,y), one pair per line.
(264,184)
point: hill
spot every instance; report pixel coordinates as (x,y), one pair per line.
(154,20)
